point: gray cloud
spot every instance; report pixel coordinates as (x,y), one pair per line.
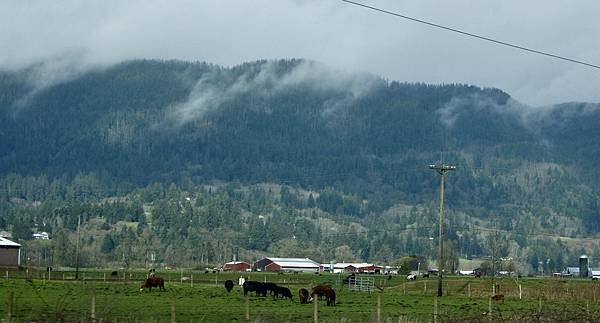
(229,32)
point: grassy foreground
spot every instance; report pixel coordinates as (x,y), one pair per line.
(542,300)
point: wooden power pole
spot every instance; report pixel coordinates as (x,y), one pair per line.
(442,170)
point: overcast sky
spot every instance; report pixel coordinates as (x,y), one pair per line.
(87,33)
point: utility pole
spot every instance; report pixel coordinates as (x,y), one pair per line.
(442,169)
(77,248)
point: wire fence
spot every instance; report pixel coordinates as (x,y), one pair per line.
(200,296)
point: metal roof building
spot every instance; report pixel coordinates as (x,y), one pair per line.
(287,264)
(10,253)
(236,266)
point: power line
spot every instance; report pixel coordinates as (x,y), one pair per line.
(458,31)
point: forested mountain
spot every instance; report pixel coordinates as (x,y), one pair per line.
(289,157)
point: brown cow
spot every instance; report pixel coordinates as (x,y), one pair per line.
(331,298)
(498,297)
(303,295)
(153,282)
(325,291)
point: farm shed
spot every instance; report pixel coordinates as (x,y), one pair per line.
(571,272)
(236,266)
(10,253)
(287,264)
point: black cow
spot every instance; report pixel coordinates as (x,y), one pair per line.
(252,286)
(271,288)
(303,295)
(283,292)
(228,285)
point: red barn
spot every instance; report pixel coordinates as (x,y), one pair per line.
(236,266)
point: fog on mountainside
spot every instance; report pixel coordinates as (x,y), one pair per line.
(222,160)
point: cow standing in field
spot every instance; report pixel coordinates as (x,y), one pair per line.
(283,292)
(253,286)
(228,285)
(153,282)
(330,297)
(303,295)
(324,291)
(271,288)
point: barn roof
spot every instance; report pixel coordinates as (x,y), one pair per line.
(353,264)
(7,243)
(295,262)
(236,263)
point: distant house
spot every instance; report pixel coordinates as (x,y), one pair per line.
(10,253)
(41,236)
(287,264)
(236,266)
(5,234)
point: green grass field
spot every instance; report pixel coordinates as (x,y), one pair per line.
(542,300)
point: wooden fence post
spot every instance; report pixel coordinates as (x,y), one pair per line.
(469,289)
(10,305)
(93,310)
(520,292)
(378,308)
(173,315)
(490,308)
(435,309)
(315,310)
(7,275)
(247,310)
(192,280)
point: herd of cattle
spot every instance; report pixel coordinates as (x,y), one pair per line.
(262,289)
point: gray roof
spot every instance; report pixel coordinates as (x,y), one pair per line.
(7,243)
(295,262)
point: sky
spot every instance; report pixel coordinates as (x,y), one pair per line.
(78,35)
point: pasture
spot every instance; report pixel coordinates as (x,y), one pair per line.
(206,300)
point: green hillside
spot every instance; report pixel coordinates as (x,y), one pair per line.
(196,162)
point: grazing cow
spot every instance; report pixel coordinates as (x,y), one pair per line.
(303,295)
(228,285)
(114,273)
(498,297)
(271,288)
(153,282)
(324,291)
(330,297)
(252,286)
(283,292)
